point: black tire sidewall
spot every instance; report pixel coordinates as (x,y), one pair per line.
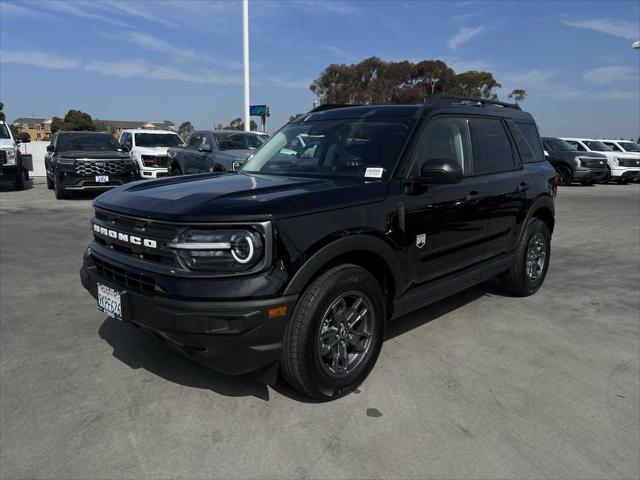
(353,278)
(536,226)
(569,175)
(20,181)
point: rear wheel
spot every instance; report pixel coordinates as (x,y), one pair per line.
(565,175)
(531,261)
(335,334)
(58,189)
(20,178)
(49,183)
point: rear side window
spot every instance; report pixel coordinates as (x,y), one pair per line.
(195,139)
(613,146)
(578,146)
(491,146)
(528,145)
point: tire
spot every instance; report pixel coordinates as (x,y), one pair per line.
(20,178)
(565,175)
(320,323)
(49,183)
(607,176)
(587,183)
(175,171)
(622,181)
(58,190)
(524,279)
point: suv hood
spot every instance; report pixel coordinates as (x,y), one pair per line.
(98,154)
(6,143)
(229,196)
(158,151)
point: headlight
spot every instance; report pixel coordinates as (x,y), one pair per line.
(620,161)
(232,250)
(10,156)
(66,160)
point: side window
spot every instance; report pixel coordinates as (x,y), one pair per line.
(528,145)
(491,146)
(578,146)
(445,138)
(195,140)
(613,146)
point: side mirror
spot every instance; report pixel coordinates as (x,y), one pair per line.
(25,137)
(546,154)
(205,148)
(50,148)
(440,171)
(125,147)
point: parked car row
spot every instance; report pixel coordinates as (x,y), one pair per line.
(86,161)
(589,161)
(14,166)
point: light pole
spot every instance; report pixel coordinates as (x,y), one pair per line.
(245,55)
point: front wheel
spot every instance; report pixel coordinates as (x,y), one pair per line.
(565,175)
(607,176)
(175,171)
(58,189)
(20,178)
(335,334)
(531,261)
(49,183)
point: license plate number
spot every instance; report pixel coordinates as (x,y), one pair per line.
(102,178)
(109,302)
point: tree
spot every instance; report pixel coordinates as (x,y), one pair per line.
(185,130)
(57,124)
(238,124)
(518,95)
(375,81)
(15,131)
(74,120)
(102,126)
(2,117)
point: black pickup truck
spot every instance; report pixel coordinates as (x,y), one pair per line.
(298,261)
(214,151)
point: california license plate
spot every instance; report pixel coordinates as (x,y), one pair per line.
(102,178)
(110,302)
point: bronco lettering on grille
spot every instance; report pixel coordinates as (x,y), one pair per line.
(125,237)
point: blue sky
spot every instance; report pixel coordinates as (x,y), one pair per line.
(182,60)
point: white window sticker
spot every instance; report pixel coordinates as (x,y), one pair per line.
(374,172)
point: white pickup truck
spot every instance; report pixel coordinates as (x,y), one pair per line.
(14,166)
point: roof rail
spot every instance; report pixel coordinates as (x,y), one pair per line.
(332,106)
(451,99)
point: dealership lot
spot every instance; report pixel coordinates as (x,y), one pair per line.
(480,385)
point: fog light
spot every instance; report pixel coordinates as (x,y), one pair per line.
(279,311)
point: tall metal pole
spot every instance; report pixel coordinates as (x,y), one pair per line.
(245,54)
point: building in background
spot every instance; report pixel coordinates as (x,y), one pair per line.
(37,128)
(115,127)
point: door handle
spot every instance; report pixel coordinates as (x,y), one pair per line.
(523,187)
(473,196)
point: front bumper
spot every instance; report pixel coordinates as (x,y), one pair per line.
(72,181)
(8,173)
(232,336)
(625,173)
(589,174)
(147,173)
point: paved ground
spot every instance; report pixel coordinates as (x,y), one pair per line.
(477,386)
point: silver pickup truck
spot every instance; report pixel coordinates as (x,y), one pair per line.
(214,151)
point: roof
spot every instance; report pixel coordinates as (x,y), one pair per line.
(122,124)
(147,130)
(80,132)
(31,121)
(409,111)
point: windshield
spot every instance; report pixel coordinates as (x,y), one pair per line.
(630,146)
(86,141)
(158,140)
(4,131)
(239,141)
(596,146)
(333,148)
(558,145)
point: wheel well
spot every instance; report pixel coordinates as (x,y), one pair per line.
(546,216)
(374,264)
(175,166)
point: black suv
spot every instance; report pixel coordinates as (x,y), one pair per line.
(573,165)
(299,260)
(82,161)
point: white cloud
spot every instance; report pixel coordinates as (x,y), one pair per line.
(85,10)
(143,69)
(464,35)
(287,83)
(617,28)
(7,8)
(530,78)
(136,9)
(616,95)
(610,74)
(460,66)
(38,59)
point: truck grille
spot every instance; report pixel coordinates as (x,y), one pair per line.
(629,162)
(153,161)
(593,162)
(99,167)
(3,157)
(123,278)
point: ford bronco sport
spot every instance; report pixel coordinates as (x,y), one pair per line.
(298,261)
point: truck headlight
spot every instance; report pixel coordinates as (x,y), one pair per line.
(224,250)
(10,154)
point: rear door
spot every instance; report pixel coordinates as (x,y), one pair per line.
(445,225)
(495,160)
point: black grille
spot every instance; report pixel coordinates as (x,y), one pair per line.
(106,167)
(593,162)
(3,157)
(154,161)
(629,162)
(123,278)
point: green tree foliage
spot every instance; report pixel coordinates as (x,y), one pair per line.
(518,94)
(185,130)
(238,124)
(102,126)
(375,81)
(74,120)
(15,131)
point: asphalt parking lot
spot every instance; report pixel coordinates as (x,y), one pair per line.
(480,385)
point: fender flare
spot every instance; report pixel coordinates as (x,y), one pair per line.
(360,243)
(543,201)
